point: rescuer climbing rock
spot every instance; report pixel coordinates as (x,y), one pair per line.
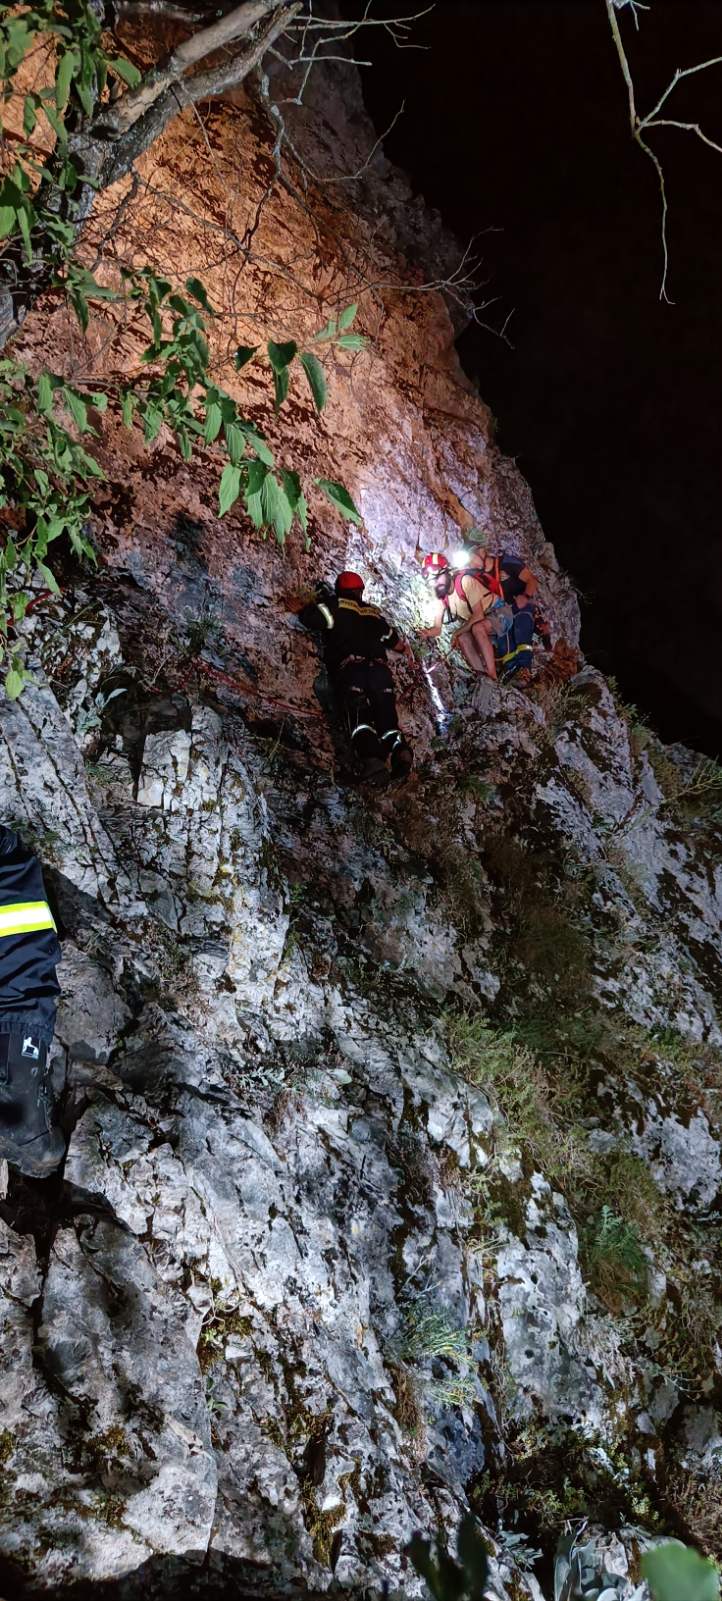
(29,951)
(355,638)
(495,597)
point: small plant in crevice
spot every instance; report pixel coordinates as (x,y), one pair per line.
(616,1264)
(222,1319)
(434,1356)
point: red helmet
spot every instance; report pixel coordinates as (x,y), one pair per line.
(349,581)
(434,562)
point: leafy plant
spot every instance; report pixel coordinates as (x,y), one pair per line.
(677,1573)
(48,469)
(447,1579)
(617,1265)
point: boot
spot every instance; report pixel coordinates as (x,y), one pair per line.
(29,1137)
(401,762)
(374,771)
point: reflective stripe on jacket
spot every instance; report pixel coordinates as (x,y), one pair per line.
(29,949)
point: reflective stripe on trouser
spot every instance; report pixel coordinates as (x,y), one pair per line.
(25,917)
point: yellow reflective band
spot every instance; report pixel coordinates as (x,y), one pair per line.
(510,654)
(362,611)
(24,917)
(325,613)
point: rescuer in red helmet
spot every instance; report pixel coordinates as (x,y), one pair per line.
(461,597)
(355,638)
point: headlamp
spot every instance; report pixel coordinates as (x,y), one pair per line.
(460,558)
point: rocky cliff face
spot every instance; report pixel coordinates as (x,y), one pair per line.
(393,1174)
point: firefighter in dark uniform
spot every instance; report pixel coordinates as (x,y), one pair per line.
(29,953)
(355,638)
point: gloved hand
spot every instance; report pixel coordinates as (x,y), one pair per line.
(323,591)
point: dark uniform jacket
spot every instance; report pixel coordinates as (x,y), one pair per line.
(29,949)
(349,628)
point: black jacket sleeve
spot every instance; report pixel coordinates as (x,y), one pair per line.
(29,949)
(314,618)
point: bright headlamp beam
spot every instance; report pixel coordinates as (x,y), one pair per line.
(460,558)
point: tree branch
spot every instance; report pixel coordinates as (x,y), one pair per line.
(641,125)
(142,133)
(126,112)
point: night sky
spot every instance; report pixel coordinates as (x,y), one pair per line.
(516,119)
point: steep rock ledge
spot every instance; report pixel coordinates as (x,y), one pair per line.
(324,1265)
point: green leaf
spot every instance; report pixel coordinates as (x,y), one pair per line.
(85,96)
(296,498)
(280,385)
(257,474)
(347,316)
(153,418)
(316,378)
(41,479)
(473,1554)
(280,356)
(258,443)
(24,226)
(77,408)
(676,1573)
(123,68)
(88,463)
(197,290)
(29,115)
(49,577)
(8,220)
(67,68)
(45,394)
(14,681)
(352,342)
(69,178)
(277,512)
(243,354)
(213,423)
(128,406)
(230,488)
(235,442)
(419,1554)
(340,498)
(329,332)
(99,401)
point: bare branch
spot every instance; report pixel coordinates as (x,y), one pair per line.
(682,72)
(617,37)
(688,127)
(641,125)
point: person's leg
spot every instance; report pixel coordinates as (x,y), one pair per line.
(517,656)
(386,722)
(29,1137)
(485,648)
(358,707)
(464,643)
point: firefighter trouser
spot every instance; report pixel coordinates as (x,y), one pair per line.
(366,690)
(514,649)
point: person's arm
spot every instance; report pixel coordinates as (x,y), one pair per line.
(403,648)
(318,616)
(531,584)
(435,630)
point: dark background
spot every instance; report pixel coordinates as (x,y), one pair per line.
(516,118)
